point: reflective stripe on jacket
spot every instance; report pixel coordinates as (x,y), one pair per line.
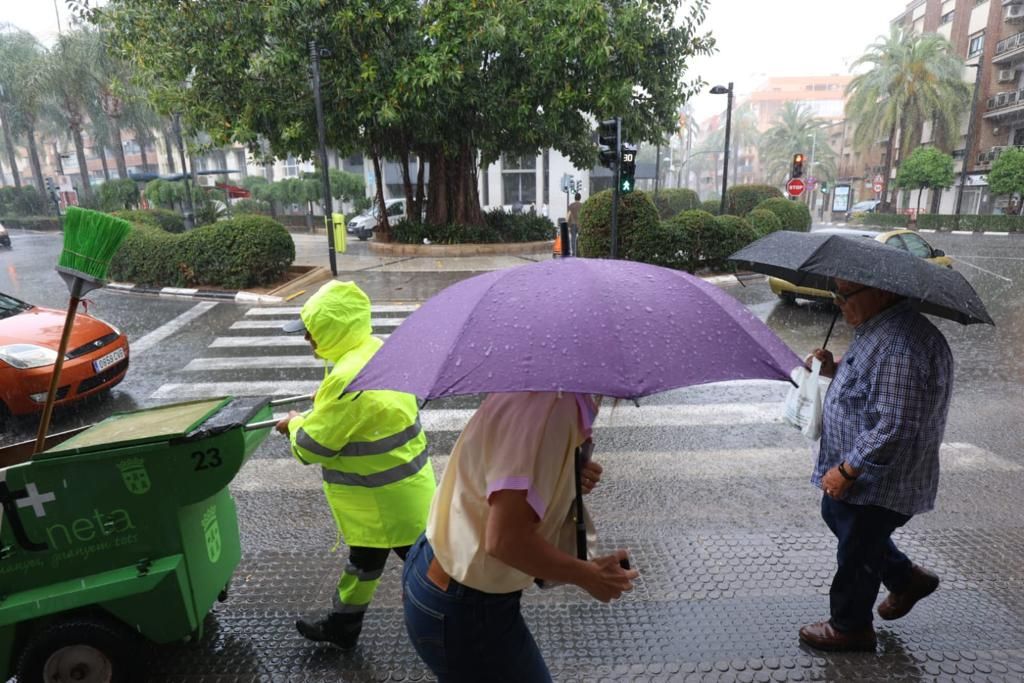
(369,445)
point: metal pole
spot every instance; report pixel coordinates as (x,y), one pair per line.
(615,191)
(189,209)
(967,143)
(728,132)
(657,172)
(321,134)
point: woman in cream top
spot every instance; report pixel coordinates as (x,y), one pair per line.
(495,523)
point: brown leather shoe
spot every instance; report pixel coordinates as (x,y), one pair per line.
(822,636)
(922,584)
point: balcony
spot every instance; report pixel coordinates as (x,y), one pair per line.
(986,158)
(1009,50)
(1006,106)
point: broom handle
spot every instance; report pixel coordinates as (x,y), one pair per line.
(58,365)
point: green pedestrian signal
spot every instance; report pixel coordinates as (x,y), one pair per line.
(824,188)
(626,186)
(628,170)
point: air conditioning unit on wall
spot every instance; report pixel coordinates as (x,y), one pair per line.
(1007,75)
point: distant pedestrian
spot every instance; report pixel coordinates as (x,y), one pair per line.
(371,450)
(878,463)
(574,223)
(501,514)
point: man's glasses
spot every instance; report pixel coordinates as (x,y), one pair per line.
(842,298)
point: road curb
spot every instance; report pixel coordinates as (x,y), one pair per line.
(238,296)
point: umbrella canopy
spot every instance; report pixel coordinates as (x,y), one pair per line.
(814,260)
(614,328)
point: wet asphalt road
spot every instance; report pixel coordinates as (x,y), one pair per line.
(705,486)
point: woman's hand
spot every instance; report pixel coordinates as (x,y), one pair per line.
(590,475)
(608,579)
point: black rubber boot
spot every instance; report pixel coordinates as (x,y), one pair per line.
(336,628)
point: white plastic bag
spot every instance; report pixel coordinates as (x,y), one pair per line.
(804,402)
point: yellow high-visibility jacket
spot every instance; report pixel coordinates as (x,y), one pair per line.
(370,444)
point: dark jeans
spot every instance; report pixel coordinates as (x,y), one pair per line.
(464,635)
(867,558)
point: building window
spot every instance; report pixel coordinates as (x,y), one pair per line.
(519,179)
(291,167)
(976,45)
(946,18)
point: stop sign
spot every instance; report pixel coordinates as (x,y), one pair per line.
(795,187)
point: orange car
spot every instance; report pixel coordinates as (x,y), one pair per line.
(96,360)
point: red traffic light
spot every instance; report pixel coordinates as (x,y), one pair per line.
(798,159)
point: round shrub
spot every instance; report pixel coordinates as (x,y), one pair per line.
(163,219)
(245,251)
(764,221)
(637,219)
(742,199)
(712,206)
(674,201)
(251,206)
(499,226)
(118,194)
(794,215)
(689,234)
(730,234)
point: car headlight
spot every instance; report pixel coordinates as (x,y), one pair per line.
(26,356)
(3,230)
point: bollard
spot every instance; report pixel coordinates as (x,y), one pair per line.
(563,235)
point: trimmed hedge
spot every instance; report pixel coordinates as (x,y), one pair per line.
(794,215)
(241,252)
(882,220)
(742,199)
(638,219)
(33,222)
(688,235)
(499,227)
(23,201)
(730,234)
(764,222)
(712,206)
(936,221)
(673,202)
(168,221)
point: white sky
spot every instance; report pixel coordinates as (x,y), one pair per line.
(756,38)
(761,38)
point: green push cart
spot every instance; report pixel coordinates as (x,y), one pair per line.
(120,529)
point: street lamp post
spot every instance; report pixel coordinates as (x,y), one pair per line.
(967,143)
(722,90)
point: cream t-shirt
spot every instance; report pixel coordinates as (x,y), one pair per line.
(515,441)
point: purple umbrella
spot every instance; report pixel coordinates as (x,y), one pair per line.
(615,328)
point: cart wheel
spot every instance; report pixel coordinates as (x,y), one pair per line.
(223,595)
(79,650)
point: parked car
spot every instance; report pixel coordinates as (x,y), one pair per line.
(906,240)
(866,206)
(5,237)
(363,225)
(97,358)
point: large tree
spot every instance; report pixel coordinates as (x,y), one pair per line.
(1007,176)
(454,82)
(925,168)
(913,79)
(795,129)
(22,66)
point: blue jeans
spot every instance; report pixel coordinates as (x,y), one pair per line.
(867,558)
(465,635)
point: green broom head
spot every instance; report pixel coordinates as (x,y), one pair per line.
(90,240)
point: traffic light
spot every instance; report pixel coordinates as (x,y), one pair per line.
(50,186)
(626,182)
(608,142)
(824,187)
(798,166)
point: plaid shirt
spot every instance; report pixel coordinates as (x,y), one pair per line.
(885,411)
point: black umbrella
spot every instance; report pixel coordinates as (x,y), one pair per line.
(814,260)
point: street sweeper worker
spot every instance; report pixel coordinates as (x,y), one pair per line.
(372,452)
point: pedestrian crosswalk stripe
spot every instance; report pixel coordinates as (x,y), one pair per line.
(196,390)
(276,324)
(294,310)
(286,474)
(283,340)
(252,362)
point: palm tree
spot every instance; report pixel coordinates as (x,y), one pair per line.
(22,65)
(913,79)
(744,136)
(71,82)
(795,129)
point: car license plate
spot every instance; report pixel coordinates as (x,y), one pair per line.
(115,356)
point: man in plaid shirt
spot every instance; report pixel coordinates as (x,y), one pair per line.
(878,464)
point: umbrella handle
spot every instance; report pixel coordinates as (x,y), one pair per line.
(581,524)
(828,335)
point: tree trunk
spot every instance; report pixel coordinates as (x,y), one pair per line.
(142,151)
(169,149)
(384,232)
(407,186)
(309,216)
(33,157)
(83,169)
(453,196)
(3,176)
(890,148)
(420,170)
(101,149)
(12,158)
(118,144)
